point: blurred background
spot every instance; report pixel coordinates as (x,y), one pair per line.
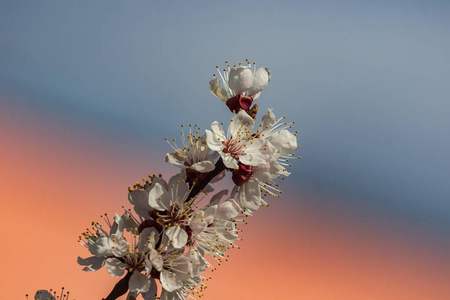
(89,90)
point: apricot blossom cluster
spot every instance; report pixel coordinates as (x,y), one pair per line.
(180,227)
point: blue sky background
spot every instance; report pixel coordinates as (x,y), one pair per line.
(366,82)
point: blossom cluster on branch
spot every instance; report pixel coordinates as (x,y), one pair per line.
(181,226)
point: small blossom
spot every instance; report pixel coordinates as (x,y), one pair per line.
(194,158)
(241,85)
(252,181)
(50,295)
(180,277)
(102,244)
(282,142)
(219,231)
(238,144)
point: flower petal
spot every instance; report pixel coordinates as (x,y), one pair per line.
(139,282)
(250,196)
(228,210)
(158,196)
(169,281)
(268,171)
(284,141)
(267,122)
(179,294)
(256,96)
(261,79)
(218,131)
(217,90)
(156,259)
(178,189)
(253,159)
(229,161)
(117,226)
(240,125)
(139,198)
(177,236)
(203,166)
(43,295)
(129,223)
(175,159)
(152,292)
(95,263)
(147,238)
(214,142)
(100,247)
(240,79)
(210,213)
(115,267)
(197,222)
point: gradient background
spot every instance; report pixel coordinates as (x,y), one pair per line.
(89,90)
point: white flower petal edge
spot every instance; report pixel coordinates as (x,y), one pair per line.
(179,294)
(170,281)
(240,79)
(260,81)
(139,282)
(115,267)
(249,196)
(158,196)
(177,236)
(93,263)
(152,292)
(217,90)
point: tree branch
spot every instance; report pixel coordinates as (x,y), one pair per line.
(120,288)
(202,184)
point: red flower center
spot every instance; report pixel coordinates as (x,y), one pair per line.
(242,175)
(239,102)
(233,148)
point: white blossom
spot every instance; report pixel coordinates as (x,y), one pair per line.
(101,243)
(50,295)
(282,142)
(194,155)
(240,80)
(238,144)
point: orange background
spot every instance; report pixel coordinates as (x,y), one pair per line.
(54,182)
